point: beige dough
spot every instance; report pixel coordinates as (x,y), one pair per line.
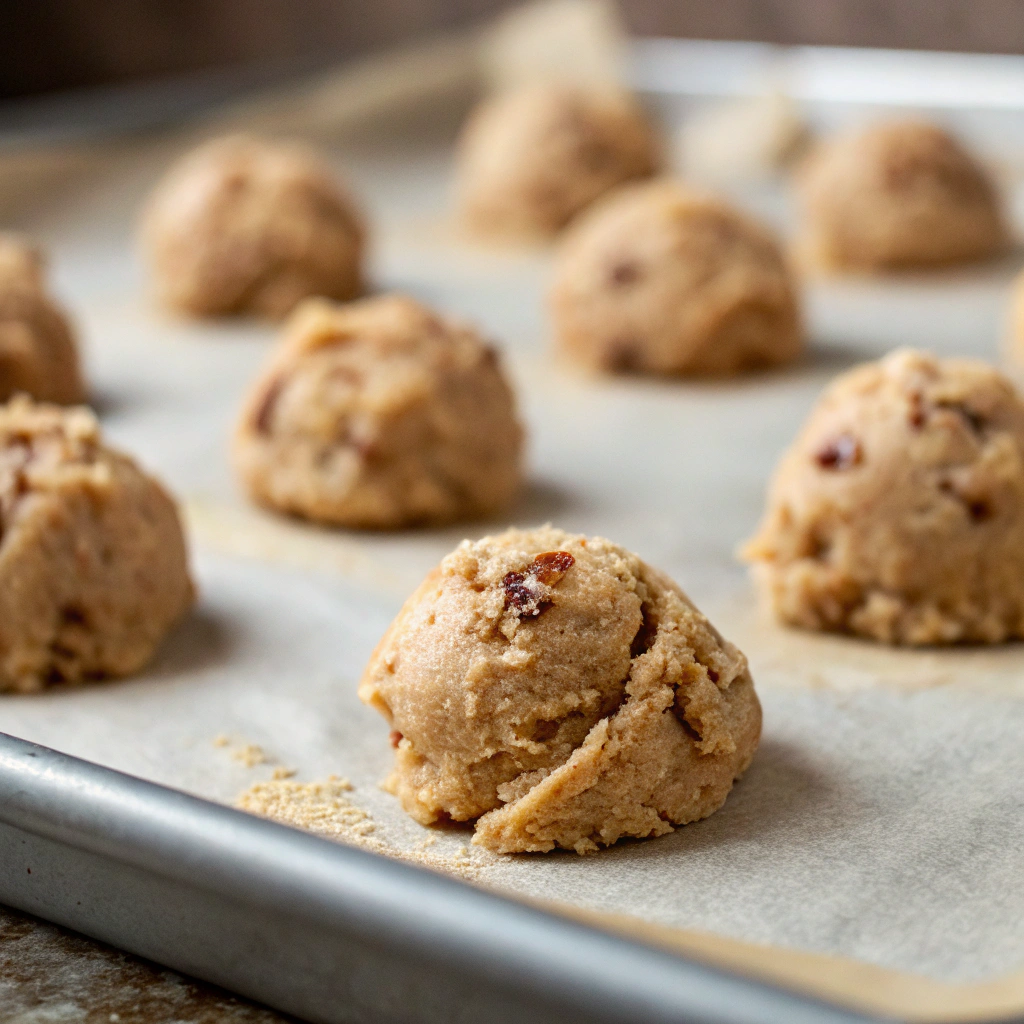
(1014,345)
(38,355)
(241,225)
(559,692)
(658,279)
(898,513)
(531,159)
(897,195)
(93,566)
(380,414)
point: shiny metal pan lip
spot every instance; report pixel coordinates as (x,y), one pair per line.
(327,932)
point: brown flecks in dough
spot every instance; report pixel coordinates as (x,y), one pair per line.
(973,419)
(394,738)
(528,591)
(645,634)
(625,355)
(980,511)
(263,416)
(844,452)
(916,417)
(625,272)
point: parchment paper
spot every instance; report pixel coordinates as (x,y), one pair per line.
(882,818)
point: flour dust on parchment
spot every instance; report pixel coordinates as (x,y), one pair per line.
(325,809)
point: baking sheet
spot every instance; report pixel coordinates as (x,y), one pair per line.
(881,818)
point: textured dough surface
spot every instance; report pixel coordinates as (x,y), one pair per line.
(898,513)
(659,279)
(559,692)
(38,355)
(531,159)
(93,565)
(897,195)
(241,225)
(380,414)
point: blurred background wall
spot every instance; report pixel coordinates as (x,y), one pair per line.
(49,45)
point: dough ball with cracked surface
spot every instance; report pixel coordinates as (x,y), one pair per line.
(897,196)
(242,225)
(533,158)
(380,414)
(898,512)
(93,564)
(658,279)
(559,692)
(38,354)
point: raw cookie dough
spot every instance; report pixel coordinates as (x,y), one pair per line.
(531,159)
(241,225)
(559,692)
(93,566)
(380,414)
(897,195)
(38,355)
(658,279)
(898,513)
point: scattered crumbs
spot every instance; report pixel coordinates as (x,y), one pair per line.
(280,772)
(249,754)
(325,809)
(320,807)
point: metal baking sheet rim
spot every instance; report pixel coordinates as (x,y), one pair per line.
(328,932)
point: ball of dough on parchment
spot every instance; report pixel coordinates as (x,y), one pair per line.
(658,279)
(380,414)
(38,355)
(898,512)
(559,692)
(241,225)
(93,564)
(898,195)
(531,159)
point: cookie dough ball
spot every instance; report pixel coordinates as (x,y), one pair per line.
(38,355)
(530,160)
(898,513)
(897,196)
(559,692)
(240,225)
(380,414)
(93,566)
(657,279)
